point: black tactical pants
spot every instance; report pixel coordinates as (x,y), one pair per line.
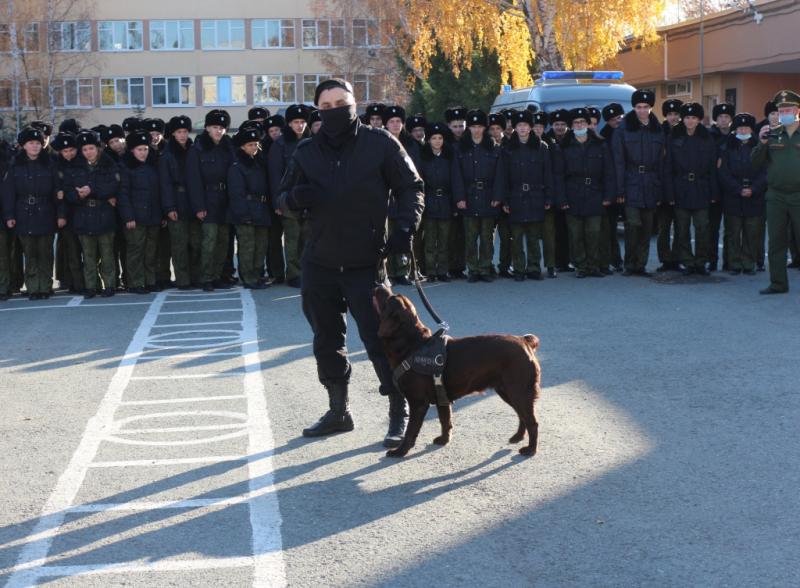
(327,296)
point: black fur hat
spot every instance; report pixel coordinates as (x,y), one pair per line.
(87,138)
(693,109)
(257,112)
(137,139)
(477,117)
(30,134)
(394,111)
(218,117)
(112,132)
(247,135)
(296,111)
(672,105)
(722,108)
(643,96)
(63,141)
(612,110)
(179,122)
(743,119)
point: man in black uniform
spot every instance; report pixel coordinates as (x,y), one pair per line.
(722,115)
(347,240)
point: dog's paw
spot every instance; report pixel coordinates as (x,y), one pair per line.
(527,451)
(442,440)
(516,437)
(399,452)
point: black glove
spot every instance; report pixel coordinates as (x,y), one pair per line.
(302,196)
(399,242)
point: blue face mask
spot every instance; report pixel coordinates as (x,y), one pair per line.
(580,132)
(743,136)
(787,119)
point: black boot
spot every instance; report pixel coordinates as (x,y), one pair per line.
(337,419)
(398,420)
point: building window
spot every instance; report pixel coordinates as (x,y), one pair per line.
(31,37)
(310,83)
(5,38)
(30,94)
(680,88)
(70,36)
(365,33)
(120,35)
(324,32)
(274,88)
(273,34)
(224,90)
(368,87)
(171,35)
(6,94)
(172,91)
(121,92)
(74,93)
(222,34)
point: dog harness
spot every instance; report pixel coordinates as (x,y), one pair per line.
(428,360)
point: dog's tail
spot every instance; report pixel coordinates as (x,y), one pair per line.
(532,341)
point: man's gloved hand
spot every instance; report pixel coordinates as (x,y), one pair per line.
(303,196)
(399,242)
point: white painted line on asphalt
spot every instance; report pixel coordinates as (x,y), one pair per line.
(144,506)
(190,355)
(229,338)
(34,554)
(185,376)
(216,459)
(103,305)
(197,300)
(201,294)
(181,429)
(265,516)
(197,324)
(293,297)
(75,301)
(155,566)
(181,400)
(203,311)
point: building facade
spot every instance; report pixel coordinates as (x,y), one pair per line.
(155,59)
(747,56)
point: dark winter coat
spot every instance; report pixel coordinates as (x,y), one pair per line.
(442,179)
(94,215)
(413,149)
(588,175)
(207,166)
(528,180)
(280,152)
(248,190)
(140,192)
(29,194)
(347,229)
(735,173)
(638,152)
(691,173)
(174,180)
(483,176)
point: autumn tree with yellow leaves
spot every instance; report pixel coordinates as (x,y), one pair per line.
(547,34)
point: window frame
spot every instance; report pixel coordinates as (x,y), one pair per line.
(283,80)
(232,78)
(316,29)
(370,28)
(181,28)
(216,22)
(676,83)
(190,91)
(127,32)
(283,27)
(57,28)
(130,104)
(80,83)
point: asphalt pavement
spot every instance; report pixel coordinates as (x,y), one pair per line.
(155,441)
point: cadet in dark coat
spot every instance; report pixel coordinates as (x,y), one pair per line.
(610,254)
(64,144)
(394,118)
(113,137)
(344,175)
(280,153)
(556,219)
(185,229)
(589,188)
(207,164)
(479,203)
(638,150)
(665,213)
(743,191)
(439,170)
(528,190)
(456,119)
(93,197)
(276,267)
(691,185)
(32,209)
(722,115)
(140,209)
(250,206)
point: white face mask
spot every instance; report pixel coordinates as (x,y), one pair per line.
(743,136)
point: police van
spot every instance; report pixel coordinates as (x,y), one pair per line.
(568,89)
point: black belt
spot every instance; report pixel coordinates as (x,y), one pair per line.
(92,203)
(642,169)
(31,199)
(438,192)
(257,197)
(692,177)
(586,181)
(529,187)
(479,184)
(218,187)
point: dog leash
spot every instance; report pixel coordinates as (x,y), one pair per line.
(413,268)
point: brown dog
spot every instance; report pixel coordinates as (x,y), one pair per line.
(504,362)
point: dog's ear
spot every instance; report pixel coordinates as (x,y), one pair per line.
(390,317)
